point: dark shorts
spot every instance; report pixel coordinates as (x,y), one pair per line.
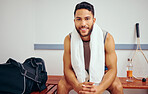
(106,68)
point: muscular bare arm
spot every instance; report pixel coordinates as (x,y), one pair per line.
(68,71)
(110,62)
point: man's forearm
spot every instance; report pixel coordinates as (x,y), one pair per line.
(107,80)
(71,78)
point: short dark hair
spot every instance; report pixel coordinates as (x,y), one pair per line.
(84,5)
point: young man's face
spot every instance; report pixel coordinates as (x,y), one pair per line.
(84,21)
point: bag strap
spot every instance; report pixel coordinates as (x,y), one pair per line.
(38,66)
(29,75)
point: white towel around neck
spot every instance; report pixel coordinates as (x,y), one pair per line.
(97,60)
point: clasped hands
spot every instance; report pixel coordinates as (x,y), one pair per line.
(86,88)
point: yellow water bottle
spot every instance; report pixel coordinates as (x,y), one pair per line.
(129,71)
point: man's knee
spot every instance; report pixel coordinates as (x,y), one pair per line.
(116,87)
(63,85)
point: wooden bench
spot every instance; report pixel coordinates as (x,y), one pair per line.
(53,81)
(136,84)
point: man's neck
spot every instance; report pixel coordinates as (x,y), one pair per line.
(87,38)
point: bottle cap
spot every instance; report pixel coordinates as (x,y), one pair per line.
(129,59)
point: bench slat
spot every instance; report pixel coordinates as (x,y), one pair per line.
(53,90)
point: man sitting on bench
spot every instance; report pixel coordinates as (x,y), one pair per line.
(90,61)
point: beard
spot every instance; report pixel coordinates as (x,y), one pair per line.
(90,30)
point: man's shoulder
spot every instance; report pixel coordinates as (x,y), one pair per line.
(67,37)
(67,42)
(109,44)
(109,37)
